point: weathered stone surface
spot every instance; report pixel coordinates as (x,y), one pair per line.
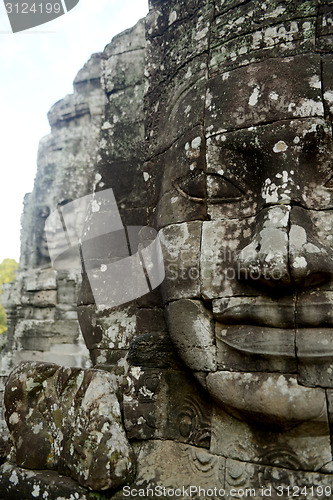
(122,68)
(181,244)
(258,13)
(329,395)
(265,258)
(141,415)
(149,320)
(192,330)
(112,360)
(153,350)
(237,160)
(174,465)
(315,309)
(324,38)
(21,483)
(43,298)
(44,279)
(328,84)
(273,482)
(64,354)
(166,404)
(95,143)
(322,225)
(284,447)
(251,33)
(68,420)
(165,128)
(5,444)
(185,29)
(67,287)
(189,411)
(30,332)
(310,260)
(314,354)
(121,149)
(265,92)
(219,269)
(36,300)
(87,98)
(107,329)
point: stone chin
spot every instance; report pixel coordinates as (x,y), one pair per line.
(256,380)
(270,398)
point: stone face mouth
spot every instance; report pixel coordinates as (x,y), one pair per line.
(258,340)
(278,342)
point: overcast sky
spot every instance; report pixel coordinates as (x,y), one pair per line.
(38,67)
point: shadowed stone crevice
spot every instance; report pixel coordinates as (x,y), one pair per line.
(329,402)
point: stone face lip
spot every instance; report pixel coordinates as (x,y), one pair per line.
(256,311)
(266,397)
(68,420)
(257,340)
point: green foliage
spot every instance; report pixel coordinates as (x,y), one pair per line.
(8,269)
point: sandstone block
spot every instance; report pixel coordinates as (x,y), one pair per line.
(44,279)
(219,266)
(181,253)
(166,464)
(153,350)
(272,447)
(276,481)
(290,34)
(107,329)
(314,353)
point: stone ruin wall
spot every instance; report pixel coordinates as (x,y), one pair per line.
(98,127)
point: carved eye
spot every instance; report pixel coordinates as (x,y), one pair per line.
(192,187)
(222,190)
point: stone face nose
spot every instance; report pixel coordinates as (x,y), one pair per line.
(310,259)
(284,252)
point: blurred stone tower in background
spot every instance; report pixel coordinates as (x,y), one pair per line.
(87,135)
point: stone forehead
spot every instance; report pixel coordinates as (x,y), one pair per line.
(262,61)
(264,92)
(284,88)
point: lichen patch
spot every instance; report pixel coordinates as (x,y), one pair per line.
(280,147)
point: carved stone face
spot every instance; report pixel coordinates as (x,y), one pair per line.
(246,211)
